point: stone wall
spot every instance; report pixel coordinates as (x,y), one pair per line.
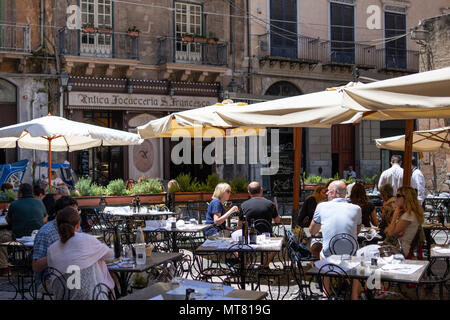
(435,54)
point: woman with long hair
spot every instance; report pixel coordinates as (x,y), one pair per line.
(387,211)
(216,214)
(81,250)
(310,204)
(407,218)
(359,197)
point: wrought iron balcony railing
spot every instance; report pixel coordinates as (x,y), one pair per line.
(397,59)
(171,50)
(99,45)
(15,37)
(348,53)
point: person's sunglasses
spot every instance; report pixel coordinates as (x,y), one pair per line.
(228,191)
(400,195)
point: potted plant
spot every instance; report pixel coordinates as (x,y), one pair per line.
(105,29)
(88,28)
(212,39)
(133,32)
(188,37)
(200,38)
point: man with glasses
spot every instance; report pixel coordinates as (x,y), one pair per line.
(46,236)
(334,217)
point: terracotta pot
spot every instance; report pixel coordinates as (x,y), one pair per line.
(212,41)
(88,29)
(133,34)
(188,38)
(107,31)
(118,200)
(309,186)
(189,196)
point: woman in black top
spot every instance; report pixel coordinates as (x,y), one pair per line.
(359,197)
(310,204)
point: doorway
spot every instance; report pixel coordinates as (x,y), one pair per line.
(8,107)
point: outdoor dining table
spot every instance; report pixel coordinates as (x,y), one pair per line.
(440,252)
(160,226)
(167,291)
(363,235)
(125,269)
(407,272)
(228,245)
(126,211)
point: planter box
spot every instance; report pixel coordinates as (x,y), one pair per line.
(200,40)
(239,196)
(107,31)
(192,196)
(4,205)
(88,29)
(145,198)
(212,41)
(87,201)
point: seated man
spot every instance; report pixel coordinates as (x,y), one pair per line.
(257,208)
(27,213)
(50,199)
(55,179)
(334,217)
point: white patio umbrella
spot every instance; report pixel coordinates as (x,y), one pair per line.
(422,141)
(53,133)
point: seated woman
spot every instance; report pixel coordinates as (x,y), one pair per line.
(216,211)
(407,218)
(81,250)
(359,197)
(310,204)
(387,211)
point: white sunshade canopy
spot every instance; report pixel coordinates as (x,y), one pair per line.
(423,141)
(420,95)
(65,135)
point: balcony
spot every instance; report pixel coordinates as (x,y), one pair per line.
(306,53)
(347,54)
(191,61)
(397,60)
(14,38)
(118,51)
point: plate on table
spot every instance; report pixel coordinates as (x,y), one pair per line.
(25,239)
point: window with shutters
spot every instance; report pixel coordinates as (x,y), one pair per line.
(97,14)
(342,33)
(283,28)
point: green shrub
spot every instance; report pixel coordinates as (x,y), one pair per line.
(97,190)
(74,193)
(7,195)
(184,181)
(84,186)
(212,181)
(115,188)
(147,186)
(239,184)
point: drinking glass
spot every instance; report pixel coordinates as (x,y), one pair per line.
(216,289)
(196,296)
(398,258)
(266,237)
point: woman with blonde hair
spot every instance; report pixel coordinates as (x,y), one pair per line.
(216,214)
(407,218)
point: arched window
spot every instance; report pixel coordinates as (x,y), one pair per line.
(8,109)
(283,88)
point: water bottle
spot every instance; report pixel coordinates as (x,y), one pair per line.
(140,236)
(117,245)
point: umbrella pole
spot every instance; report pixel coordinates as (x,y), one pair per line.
(407,157)
(49,162)
(297,168)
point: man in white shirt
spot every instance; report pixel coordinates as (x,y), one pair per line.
(349,173)
(393,175)
(417,180)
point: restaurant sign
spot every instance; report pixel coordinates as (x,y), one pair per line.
(137,101)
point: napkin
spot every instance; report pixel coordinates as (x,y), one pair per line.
(402,268)
(441,250)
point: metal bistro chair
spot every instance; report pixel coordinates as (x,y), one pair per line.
(339,282)
(243,266)
(54,284)
(103,292)
(343,243)
(19,264)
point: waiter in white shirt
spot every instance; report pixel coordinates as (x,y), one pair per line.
(393,175)
(417,180)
